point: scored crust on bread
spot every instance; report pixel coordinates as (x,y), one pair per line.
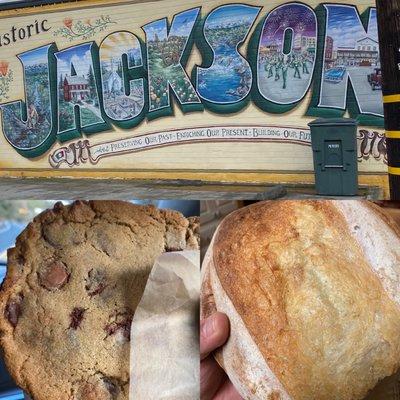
(74,280)
(312,301)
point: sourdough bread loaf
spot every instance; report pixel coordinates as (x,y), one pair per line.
(74,279)
(312,291)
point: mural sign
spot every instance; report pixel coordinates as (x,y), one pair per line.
(177,85)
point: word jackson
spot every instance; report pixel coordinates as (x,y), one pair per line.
(121,80)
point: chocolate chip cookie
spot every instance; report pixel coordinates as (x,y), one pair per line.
(74,280)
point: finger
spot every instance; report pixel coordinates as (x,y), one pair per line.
(212,377)
(227,392)
(214,332)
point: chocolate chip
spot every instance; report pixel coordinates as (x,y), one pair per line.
(88,391)
(121,322)
(111,386)
(13,309)
(21,259)
(95,282)
(170,249)
(98,387)
(55,276)
(59,206)
(76,317)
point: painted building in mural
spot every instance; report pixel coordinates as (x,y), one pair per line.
(75,88)
(207,75)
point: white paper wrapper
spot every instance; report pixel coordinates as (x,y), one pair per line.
(164,337)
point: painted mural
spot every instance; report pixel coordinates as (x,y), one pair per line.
(351,56)
(286,64)
(229,78)
(118,105)
(166,51)
(77,89)
(93,76)
(31,130)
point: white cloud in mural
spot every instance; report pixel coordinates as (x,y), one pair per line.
(81,64)
(349,29)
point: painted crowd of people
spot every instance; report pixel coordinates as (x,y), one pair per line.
(277,66)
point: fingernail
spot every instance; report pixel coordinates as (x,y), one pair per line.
(208,326)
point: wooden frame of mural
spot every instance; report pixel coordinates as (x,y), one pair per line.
(199,90)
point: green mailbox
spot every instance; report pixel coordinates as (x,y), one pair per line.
(334,145)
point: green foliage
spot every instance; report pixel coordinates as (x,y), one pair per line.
(5,82)
(92,82)
(84,30)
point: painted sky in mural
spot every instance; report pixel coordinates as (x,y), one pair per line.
(351,53)
(115,79)
(77,88)
(36,128)
(285,75)
(118,104)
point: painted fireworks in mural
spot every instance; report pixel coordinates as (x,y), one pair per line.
(229,78)
(351,51)
(285,68)
(117,104)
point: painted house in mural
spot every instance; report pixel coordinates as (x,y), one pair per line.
(76,88)
(304,43)
(365,53)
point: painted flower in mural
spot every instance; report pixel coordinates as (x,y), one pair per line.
(4,68)
(68,22)
(6,77)
(83,29)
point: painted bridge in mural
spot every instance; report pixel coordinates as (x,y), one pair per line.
(121,80)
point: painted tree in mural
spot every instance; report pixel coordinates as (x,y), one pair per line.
(92,83)
(166,52)
(32,131)
(131,58)
(76,64)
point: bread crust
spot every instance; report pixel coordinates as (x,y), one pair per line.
(309,298)
(377,231)
(240,357)
(68,339)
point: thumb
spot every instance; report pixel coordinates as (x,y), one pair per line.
(214,332)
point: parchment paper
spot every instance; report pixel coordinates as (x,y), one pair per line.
(164,335)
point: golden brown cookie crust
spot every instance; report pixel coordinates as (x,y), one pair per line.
(74,279)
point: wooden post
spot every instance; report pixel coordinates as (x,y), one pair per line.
(389,41)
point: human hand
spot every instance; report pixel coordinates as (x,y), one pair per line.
(214,383)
